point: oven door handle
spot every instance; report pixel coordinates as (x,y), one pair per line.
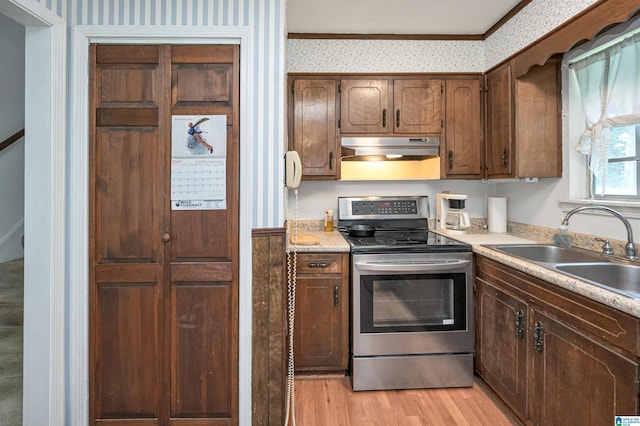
(420,266)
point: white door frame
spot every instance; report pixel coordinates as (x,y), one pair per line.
(44,379)
(82,36)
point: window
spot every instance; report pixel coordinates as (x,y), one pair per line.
(608,78)
(622,175)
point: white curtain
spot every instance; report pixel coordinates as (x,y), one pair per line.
(609,82)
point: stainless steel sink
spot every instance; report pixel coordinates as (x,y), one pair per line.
(544,253)
(618,277)
(586,265)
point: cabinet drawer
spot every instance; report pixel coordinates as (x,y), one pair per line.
(319,263)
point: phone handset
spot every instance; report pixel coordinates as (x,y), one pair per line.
(293,174)
(293,169)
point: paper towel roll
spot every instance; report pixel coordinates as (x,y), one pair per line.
(497,214)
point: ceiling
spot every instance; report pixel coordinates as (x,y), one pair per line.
(416,17)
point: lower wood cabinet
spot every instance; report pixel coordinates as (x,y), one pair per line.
(576,379)
(321,330)
(554,357)
(501,349)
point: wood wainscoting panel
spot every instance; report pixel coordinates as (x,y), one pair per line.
(269,326)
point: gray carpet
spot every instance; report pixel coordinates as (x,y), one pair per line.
(11,320)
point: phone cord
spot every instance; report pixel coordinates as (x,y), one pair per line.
(291,304)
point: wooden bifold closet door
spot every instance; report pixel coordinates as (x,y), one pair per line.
(163,289)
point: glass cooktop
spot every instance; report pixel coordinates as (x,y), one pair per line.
(408,241)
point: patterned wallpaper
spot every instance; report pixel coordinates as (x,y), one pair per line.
(536,19)
(384,56)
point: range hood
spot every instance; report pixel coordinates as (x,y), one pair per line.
(389,148)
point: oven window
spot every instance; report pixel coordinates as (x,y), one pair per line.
(423,302)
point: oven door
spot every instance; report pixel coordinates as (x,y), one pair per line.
(412,304)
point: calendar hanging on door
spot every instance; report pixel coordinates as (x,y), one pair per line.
(198,162)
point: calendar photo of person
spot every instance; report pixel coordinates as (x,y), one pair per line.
(199,135)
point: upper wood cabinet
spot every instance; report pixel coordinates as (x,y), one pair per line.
(404,106)
(462,152)
(418,106)
(499,122)
(365,106)
(313,127)
(523,123)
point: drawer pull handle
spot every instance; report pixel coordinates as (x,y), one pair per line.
(336,296)
(318,264)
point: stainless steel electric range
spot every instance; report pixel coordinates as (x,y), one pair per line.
(412,297)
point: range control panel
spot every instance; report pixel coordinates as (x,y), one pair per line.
(354,208)
(392,207)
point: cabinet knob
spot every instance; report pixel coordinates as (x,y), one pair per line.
(166,237)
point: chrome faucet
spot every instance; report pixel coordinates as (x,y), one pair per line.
(629,248)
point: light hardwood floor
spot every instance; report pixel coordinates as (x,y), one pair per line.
(330,401)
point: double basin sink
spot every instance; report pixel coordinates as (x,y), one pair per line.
(590,266)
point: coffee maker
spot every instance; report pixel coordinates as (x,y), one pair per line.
(450,214)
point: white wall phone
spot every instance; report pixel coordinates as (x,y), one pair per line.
(293,169)
(293,175)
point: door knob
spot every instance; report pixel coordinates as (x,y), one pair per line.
(166,237)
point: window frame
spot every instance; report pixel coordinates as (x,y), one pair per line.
(581,180)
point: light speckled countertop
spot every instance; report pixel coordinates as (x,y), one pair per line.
(329,241)
(334,242)
(604,296)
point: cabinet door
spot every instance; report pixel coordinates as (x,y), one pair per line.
(318,338)
(538,122)
(365,106)
(501,344)
(417,106)
(463,129)
(500,123)
(575,380)
(314,127)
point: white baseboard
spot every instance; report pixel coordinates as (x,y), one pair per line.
(11,243)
